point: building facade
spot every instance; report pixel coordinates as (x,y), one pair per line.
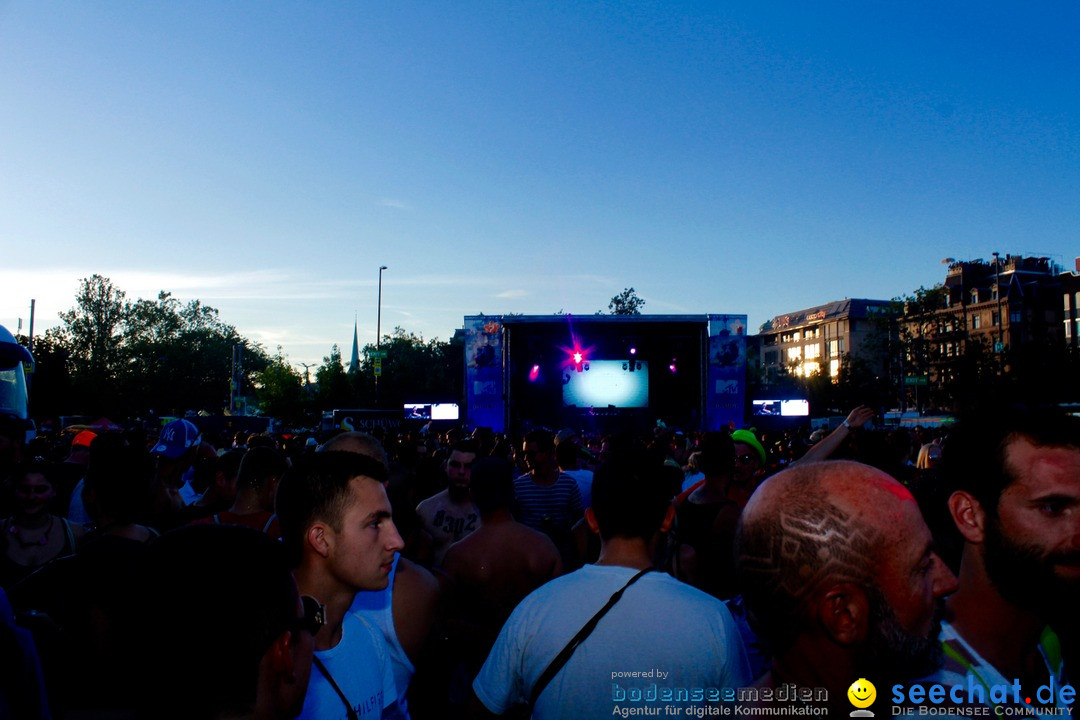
(815,340)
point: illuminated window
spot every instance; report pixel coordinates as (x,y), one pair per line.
(812,351)
(809,368)
(975,321)
(834,368)
(794,354)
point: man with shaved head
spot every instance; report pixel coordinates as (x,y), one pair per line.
(840,578)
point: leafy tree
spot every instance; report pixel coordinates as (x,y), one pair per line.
(332,380)
(280,391)
(128,357)
(626,303)
(414,369)
(91,329)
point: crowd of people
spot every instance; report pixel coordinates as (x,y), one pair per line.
(560,574)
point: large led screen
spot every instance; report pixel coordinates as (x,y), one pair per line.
(607,383)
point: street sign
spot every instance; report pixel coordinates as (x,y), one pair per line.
(999,346)
(378,366)
(915,380)
(376,354)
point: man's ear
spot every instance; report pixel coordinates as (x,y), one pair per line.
(969,516)
(590,520)
(280,656)
(319,537)
(669,519)
(843,612)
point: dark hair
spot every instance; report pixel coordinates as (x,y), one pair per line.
(973,458)
(629,495)
(465,446)
(229,462)
(566,453)
(492,483)
(717,453)
(215,598)
(258,465)
(544,440)
(317,489)
(120,479)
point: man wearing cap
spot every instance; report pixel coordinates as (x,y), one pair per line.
(175,450)
(749,461)
(75,467)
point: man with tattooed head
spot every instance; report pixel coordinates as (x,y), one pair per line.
(840,579)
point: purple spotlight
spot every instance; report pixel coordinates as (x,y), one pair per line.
(534,373)
(672,367)
(633,351)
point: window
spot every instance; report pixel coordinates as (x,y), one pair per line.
(810,368)
(770,357)
(834,348)
(1016,316)
(974,296)
(995,319)
(1068,328)
(794,354)
(796,336)
(1067,308)
(994,293)
(812,351)
(975,321)
(834,368)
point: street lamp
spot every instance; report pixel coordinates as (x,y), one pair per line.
(378,335)
(378,322)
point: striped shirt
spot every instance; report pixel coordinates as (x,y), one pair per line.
(555,507)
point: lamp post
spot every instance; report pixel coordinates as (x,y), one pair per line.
(378,333)
(1001,320)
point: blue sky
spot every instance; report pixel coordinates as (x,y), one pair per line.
(527,157)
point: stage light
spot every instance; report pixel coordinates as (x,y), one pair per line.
(673,367)
(578,357)
(534,373)
(633,351)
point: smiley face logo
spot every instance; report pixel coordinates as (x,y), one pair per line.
(862,693)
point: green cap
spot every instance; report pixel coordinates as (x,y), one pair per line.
(747,437)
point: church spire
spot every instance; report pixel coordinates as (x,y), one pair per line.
(354,362)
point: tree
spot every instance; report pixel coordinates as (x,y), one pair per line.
(280,390)
(91,329)
(626,303)
(414,369)
(127,357)
(334,388)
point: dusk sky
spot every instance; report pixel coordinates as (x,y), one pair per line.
(529,157)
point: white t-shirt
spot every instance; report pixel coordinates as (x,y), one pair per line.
(360,664)
(377,607)
(583,478)
(684,637)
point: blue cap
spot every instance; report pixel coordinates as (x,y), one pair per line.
(176,438)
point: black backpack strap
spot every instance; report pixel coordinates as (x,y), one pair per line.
(564,655)
(326,673)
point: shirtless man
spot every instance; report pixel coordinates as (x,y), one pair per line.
(451,515)
(492,569)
